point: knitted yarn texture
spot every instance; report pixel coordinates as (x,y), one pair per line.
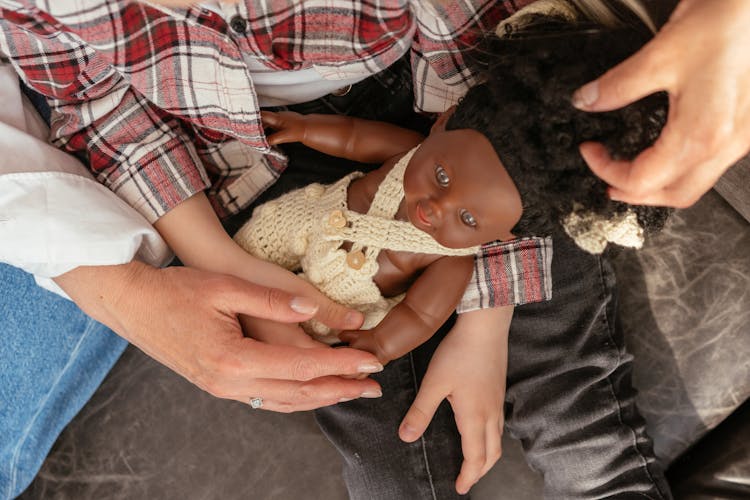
(305,230)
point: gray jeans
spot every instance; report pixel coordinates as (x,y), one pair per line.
(569,400)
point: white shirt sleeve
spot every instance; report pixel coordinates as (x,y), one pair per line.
(54,216)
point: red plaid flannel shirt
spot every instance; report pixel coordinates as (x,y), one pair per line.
(161,103)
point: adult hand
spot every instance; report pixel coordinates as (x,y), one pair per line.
(468,369)
(188,320)
(700,58)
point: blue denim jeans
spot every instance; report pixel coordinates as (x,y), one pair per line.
(53,357)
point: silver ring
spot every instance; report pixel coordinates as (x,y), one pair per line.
(256,403)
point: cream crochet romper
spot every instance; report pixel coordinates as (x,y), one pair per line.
(306,228)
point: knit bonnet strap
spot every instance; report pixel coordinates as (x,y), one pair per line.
(377,229)
(391,191)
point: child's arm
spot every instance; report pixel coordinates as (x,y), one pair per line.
(194,233)
(429,302)
(364,141)
(469,369)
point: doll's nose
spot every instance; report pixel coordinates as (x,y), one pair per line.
(434,211)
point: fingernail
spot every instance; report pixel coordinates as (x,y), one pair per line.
(586,95)
(370,368)
(407,431)
(303,305)
(371,394)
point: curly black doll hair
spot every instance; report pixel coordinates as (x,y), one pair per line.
(523,106)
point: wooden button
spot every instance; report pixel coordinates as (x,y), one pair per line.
(337,219)
(356,260)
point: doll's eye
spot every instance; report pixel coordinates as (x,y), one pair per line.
(441,176)
(467,218)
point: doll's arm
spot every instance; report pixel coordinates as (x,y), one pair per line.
(429,302)
(364,141)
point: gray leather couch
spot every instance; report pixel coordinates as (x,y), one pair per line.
(685,308)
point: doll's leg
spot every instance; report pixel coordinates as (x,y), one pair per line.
(569,397)
(53,357)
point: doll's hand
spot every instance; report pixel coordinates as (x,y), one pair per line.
(365,340)
(468,369)
(288,125)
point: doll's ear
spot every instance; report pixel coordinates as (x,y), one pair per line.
(439,125)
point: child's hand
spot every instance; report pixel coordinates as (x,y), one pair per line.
(288,125)
(365,340)
(468,369)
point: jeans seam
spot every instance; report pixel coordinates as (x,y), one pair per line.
(29,426)
(422,441)
(608,328)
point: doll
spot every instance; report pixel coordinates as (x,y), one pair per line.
(385,241)
(503,164)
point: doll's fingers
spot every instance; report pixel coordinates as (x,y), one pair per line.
(269,118)
(348,336)
(283,136)
(273,333)
(420,413)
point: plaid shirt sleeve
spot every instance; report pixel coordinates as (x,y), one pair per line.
(139,151)
(511,273)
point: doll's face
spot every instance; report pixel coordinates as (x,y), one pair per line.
(457,190)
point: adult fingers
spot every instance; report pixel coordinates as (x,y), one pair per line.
(336,316)
(640,75)
(652,170)
(240,296)
(235,295)
(663,174)
(251,359)
(289,396)
(420,413)
(474,448)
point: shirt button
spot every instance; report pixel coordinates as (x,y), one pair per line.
(238,24)
(342,91)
